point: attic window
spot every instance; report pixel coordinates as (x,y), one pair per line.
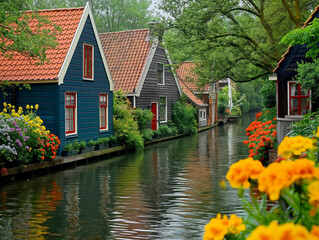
(88,62)
(299,103)
(160,73)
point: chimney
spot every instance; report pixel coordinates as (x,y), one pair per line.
(152,34)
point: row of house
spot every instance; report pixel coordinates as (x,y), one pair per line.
(75,88)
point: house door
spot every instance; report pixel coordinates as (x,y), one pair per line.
(154,119)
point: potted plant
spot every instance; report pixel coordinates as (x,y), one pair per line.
(70,149)
(85,148)
(102,143)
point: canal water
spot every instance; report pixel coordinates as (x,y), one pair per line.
(168,191)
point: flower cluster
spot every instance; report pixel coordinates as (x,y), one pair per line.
(242,171)
(287,203)
(285,231)
(218,227)
(47,147)
(21,133)
(291,147)
(262,136)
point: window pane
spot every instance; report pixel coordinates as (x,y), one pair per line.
(294,103)
(303,92)
(304,102)
(293,89)
(160,73)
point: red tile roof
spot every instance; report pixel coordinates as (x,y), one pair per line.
(126,53)
(186,72)
(20,68)
(289,48)
(190,94)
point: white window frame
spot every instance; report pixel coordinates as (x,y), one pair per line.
(288,98)
(75,114)
(163,65)
(106,113)
(85,78)
(163,121)
(202,114)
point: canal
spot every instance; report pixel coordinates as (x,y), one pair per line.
(168,191)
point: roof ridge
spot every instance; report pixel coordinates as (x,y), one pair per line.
(55,9)
(125,31)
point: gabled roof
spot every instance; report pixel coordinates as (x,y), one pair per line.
(127,53)
(191,95)
(290,47)
(186,72)
(71,21)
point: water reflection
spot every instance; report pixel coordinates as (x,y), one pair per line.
(168,191)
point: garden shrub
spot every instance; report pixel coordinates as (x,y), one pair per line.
(147,134)
(23,138)
(184,117)
(125,127)
(143,117)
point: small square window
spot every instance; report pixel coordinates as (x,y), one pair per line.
(163,109)
(70,113)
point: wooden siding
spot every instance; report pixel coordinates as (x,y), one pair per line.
(87,92)
(151,91)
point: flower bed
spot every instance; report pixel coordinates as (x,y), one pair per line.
(292,184)
(262,137)
(23,138)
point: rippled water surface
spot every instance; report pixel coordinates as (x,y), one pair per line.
(168,191)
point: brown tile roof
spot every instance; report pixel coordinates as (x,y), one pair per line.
(190,94)
(186,72)
(289,48)
(20,68)
(126,53)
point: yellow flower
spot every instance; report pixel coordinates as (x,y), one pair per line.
(5,104)
(278,176)
(27,107)
(313,194)
(218,227)
(5,110)
(31,106)
(294,146)
(315,231)
(9,105)
(236,224)
(240,172)
(287,231)
(36,106)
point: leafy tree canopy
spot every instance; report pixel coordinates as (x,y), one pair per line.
(17,36)
(109,15)
(236,39)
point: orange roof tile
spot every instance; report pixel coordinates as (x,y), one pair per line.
(186,72)
(22,68)
(289,48)
(126,53)
(190,94)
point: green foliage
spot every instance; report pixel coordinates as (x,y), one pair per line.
(165,131)
(253,97)
(109,15)
(238,100)
(20,38)
(268,93)
(147,134)
(307,126)
(184,117)
(231,38)
(143,118)
(125,126)
(308,35)
(268,114)
(103,140)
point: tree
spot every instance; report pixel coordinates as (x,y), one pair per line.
(18,37)
(236,39)
(109,15)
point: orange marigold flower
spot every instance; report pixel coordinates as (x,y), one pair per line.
(313,194)
(240,172)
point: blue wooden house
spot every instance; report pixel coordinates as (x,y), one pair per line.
(292,101)
(74,90)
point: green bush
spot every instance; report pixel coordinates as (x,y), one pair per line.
(184,117)
(143,118)
(125,126)
(268,94)
(147,134)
